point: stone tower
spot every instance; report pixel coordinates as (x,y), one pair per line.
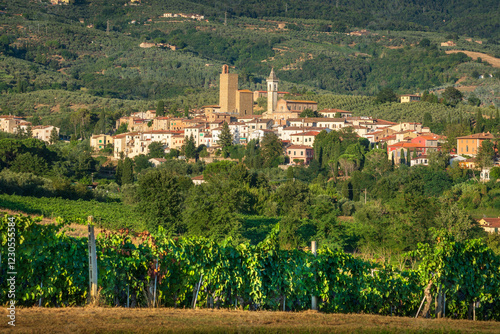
(227,90)
(272,92)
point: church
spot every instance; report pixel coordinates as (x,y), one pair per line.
(239,102)
(281,110)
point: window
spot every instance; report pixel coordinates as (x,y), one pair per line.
(301,152)
(467,148)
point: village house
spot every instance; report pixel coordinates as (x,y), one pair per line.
(258,134)
(197,180)
(376,124)
(429,142)
(469,145)
(98,142)
(239,131)
(197,132)
(421,160)
(394,151)
(407,126)
(409,98)
(258,124)
(300,153)
(131,144)
(304,138)
(177,141)
(161,123)
(360,130)
(285,132)
(43,132)
(490,225)
(469,163)
(208,140)
(320,122)
(178,124)
(332,113)
(133,123)
(10,124)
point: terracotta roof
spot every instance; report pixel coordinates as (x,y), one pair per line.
(299,147)
(382,121)
(388,137)
(491,222)
(301,101)
(406,145)
(199,177)
(478,136)
(427,137)
(420,157)
(334,110)
(244,90)
(308,133)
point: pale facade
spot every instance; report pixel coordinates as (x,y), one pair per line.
(43,132)
(99,142)
(304,138)
(300,153)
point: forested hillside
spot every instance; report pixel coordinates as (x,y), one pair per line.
(58,59)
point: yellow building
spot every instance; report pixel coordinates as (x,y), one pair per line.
(410,98)
(98,142)
(469,145)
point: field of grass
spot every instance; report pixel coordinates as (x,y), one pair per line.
(122,320)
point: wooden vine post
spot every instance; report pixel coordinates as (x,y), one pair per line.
(314,299)
(92,261)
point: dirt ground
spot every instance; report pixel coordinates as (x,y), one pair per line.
(495,62)
(164,320)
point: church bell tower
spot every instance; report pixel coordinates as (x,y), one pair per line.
(272,92)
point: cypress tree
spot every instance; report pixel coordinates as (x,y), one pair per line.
(127,175)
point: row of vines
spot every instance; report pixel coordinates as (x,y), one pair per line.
(139,270)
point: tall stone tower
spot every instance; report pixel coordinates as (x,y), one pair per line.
(272,92)
(227,90)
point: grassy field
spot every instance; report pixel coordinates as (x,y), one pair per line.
(119,320)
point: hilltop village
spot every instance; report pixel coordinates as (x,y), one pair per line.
(296,123)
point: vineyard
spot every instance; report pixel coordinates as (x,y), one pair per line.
(111,215)
(155,270)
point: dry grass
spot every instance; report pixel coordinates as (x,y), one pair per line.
(495,62)
(119,320)
(73,230)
